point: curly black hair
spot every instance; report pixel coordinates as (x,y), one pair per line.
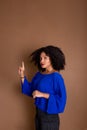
(56,55)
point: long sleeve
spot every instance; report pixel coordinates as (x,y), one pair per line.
(57,101)
(26,87)
(47,83)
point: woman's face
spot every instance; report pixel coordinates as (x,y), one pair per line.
(45,60)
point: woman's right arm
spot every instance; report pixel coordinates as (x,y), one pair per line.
(25,85)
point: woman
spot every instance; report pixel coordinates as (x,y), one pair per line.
(47,86)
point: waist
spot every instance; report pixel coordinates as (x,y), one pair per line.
(45,114)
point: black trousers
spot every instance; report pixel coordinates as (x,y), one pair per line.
(45,121)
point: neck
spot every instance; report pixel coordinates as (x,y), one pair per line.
(49,70)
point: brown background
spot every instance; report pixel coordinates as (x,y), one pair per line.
(26,25)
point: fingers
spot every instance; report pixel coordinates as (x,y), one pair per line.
(34,94)
(21,69)
(23,64)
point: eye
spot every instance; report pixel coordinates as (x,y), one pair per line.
(45,57)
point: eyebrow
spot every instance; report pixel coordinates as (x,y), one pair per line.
(44,56)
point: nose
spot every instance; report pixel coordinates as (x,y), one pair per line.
(42,60)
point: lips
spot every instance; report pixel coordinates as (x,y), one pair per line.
(42,64)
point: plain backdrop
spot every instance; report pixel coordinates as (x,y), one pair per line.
(26,25)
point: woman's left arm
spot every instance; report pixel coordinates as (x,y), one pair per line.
(57,101)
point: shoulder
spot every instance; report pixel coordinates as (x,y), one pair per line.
(58,75)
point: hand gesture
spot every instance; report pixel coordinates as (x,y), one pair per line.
(21,70)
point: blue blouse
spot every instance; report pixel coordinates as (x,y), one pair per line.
(47,83)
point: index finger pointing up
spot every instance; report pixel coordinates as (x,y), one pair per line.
(22,64)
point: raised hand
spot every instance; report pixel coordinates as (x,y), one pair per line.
(21,70)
